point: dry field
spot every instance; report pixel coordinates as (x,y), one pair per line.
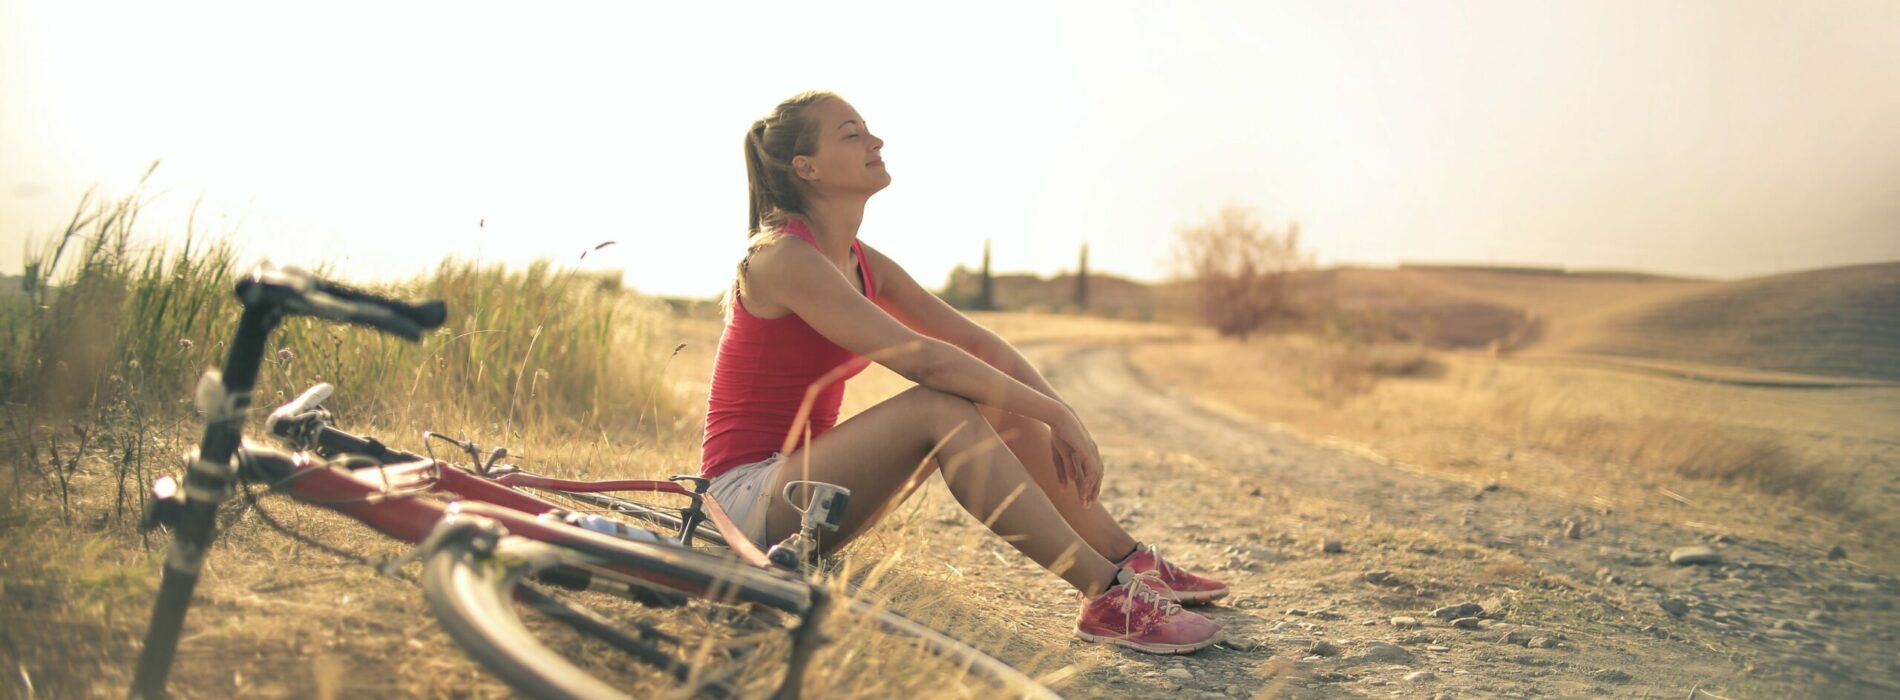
(1542,489)
(1812,464)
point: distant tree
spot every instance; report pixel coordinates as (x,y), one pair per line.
(986,294)
(1239,269)
(1082,280)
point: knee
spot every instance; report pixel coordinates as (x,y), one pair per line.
(944,410)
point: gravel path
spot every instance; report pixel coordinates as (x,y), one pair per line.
(1440,588)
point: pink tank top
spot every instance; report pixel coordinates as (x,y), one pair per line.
(760,375)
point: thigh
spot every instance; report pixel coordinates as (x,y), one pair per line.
(881,455)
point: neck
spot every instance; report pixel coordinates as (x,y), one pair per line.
(834,224)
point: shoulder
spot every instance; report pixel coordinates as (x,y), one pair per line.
(883,268)
(774,253)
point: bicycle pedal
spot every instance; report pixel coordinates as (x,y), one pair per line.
(565,577)
(655,598)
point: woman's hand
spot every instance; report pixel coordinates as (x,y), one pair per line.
(1078,461)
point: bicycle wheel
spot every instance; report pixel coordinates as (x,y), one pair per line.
(474,576)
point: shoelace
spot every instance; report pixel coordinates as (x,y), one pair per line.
(1144,585)
(1162,565)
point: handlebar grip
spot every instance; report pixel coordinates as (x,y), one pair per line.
(425,314)
(298,292)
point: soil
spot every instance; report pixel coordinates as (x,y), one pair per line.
(1570,601)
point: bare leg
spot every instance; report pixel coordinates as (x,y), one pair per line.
(1029,440)
(880,455)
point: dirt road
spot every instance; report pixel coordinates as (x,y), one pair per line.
(1564,599)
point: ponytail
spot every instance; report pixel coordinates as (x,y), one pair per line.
(755,174)
(773,191)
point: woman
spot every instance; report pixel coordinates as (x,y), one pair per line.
(812,305)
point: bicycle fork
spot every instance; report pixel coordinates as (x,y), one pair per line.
(225,398)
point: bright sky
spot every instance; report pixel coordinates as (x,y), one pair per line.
(1709,138)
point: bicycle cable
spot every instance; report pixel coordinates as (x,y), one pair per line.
(257,506)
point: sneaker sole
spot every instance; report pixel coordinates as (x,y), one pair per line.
(1199,597)
(1154,648)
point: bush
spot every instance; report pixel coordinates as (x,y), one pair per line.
(1239,270)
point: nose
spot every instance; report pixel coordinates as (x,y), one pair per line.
(876,143)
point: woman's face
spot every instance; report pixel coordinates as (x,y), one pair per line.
(848,159)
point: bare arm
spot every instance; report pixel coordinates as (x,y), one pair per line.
(916,307)
(923,312)
(799,278)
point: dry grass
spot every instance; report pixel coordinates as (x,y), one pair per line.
(1813,459)
(577,377)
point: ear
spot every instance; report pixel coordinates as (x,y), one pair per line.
(804,168)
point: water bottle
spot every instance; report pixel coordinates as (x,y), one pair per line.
(609,526)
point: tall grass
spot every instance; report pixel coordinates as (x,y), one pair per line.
(109,336)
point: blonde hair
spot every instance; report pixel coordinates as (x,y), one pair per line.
(774,194)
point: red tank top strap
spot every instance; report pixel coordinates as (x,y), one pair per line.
(864,270)
(798,228)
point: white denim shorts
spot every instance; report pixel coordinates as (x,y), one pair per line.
(744,492)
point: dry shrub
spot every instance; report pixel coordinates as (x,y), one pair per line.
(1239,270)
(1336,372)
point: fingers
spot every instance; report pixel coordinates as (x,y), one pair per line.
(1095,486)
(1055,454)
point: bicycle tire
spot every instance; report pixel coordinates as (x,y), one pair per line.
(473,593)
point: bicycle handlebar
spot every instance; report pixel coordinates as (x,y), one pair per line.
(299,292)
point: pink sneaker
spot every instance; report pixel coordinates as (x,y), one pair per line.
(1137,613)
(1185,588)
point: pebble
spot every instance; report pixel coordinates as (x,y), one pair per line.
(1837,552)
(1517,638)
(1674,606)
(1610,675)
(1453,612)
(1437,648)
(1573,529)
(1234,690)
(1180,674)
(1331,546)
(1694,554)
(1468,623)
(1420,676)
(1377,576)
(1405,623)
(1416,639)
(1381,652)
(1819,616)
(1296,612)
(1241,643)
(1543,643)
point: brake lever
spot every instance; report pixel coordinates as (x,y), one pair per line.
(295,416)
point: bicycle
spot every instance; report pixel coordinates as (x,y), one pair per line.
(484,543)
